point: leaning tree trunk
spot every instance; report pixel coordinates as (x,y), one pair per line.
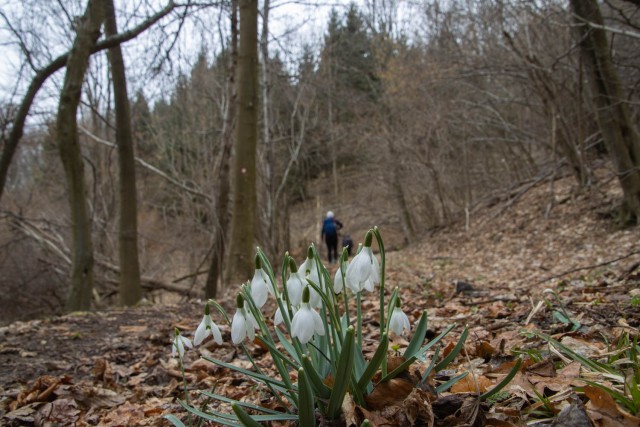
(130,288)
(243,218)
(17,127)
(87,34)
(618,131)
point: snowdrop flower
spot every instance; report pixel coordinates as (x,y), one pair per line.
(338,283)
(399,321)
(179,343)
(206,327)
(306,321)
(309,263)
(310,270)
(260,288)
(364,271)
(243,324)
(315,300)
(278,318)
(294,284)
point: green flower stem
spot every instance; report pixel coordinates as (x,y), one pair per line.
(220,309)
(335,321)
(359,317)
(266,266)
(265,332)
(329,333)
(343,376)
(343,264)
(390,307)
(376,232)
(285,378)
(184,383)
(244,418)
(287,323)
(265,335)
(374,363)
(307,401)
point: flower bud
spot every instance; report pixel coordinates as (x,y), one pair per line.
(368,238)
(239,301)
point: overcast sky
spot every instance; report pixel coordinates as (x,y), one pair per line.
(292,25)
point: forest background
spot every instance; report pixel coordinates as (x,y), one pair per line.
(404,115)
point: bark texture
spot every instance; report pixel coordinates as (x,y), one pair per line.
(17,128)
(87,34)
(614,119)
(214,276)
(241,251)
(130,290)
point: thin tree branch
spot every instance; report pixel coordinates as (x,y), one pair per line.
(42,75)
(150,167)
(588,267)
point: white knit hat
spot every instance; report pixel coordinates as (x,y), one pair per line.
(329,214)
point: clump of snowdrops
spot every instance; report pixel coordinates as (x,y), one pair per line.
(315,336)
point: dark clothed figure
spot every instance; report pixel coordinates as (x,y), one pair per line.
(347,242)
(330,227)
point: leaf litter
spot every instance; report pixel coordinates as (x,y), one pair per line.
(113,368)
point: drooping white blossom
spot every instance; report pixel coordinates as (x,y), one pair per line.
(315,300)
(306,322)
(363,271)
(399,321)
(179,343)
(260,288)
(278,318)
(338,283)
(294,288)
(243,324)
(207,326)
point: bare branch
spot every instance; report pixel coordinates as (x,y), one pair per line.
(150,167)
(42,75)
(619,31)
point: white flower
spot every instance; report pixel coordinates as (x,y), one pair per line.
(363,271)
(338,283)
(278,318)
(305,323)
(294,288)
(260,288)
(315,299)
(207,326)
(368,285)
(179,343)
(243,325)
(399,321)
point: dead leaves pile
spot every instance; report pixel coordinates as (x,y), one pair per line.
(114,369)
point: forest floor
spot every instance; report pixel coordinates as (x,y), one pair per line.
(114,368)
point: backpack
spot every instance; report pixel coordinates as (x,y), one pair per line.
(329,226)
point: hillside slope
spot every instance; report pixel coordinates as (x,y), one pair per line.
(114,368)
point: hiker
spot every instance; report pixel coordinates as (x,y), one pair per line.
(330,227)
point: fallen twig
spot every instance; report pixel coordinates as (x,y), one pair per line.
(587,267)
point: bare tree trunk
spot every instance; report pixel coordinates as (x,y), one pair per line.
(130,289)
(17,128)
(272,231)
(87,34)
(614,119)
(243,218)
(224,181)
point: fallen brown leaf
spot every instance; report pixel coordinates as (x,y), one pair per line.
(605,412)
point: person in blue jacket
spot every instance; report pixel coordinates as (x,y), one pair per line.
(330,227)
